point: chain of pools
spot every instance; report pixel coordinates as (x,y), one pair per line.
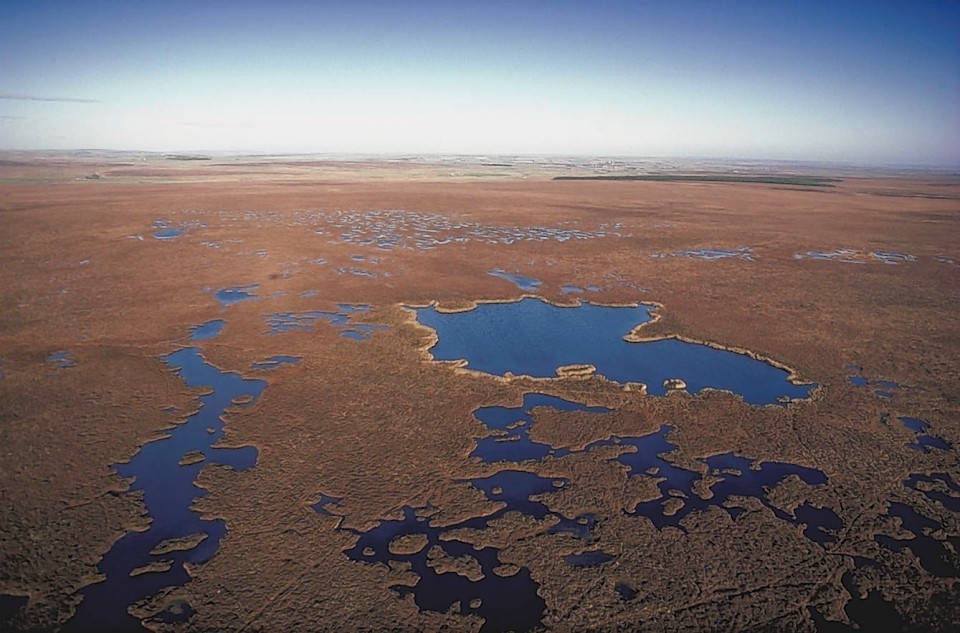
(142,564)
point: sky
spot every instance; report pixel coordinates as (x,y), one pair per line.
(869,82)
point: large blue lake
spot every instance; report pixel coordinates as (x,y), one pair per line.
(533,338)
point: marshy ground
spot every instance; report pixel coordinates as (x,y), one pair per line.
(377,490)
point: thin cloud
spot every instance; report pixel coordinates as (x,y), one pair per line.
(9,96)
(217,124)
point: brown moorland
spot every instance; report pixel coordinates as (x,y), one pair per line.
(379,426)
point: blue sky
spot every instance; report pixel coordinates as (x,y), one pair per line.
(872,82)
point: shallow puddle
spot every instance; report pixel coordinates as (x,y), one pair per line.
(166,230)
(340,320)
(527,284)
(62,359)
(744,253)
(391,229)
(532,337)
(236,294)
(272,362)
(854,256)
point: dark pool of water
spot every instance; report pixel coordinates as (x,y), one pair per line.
(871,613)
(177,611)
(531,337)
(588,559)
(62,359)
(339,319)
(514,488)
(924,441)
(236,294)
(934,556)
(512,425)
(169,491)
(321,506)
(273,362)
(881,388)
(739,477)
(527,284)
(506,603)
(10,606)
(950,498)
(625,591)
(207,331)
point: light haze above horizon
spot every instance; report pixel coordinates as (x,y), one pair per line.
(863,82)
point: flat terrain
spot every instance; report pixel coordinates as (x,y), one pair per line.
(856,278)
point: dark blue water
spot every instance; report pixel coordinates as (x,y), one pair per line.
(273,362)
(513,442)
(871,613)
(527,284)
(10,606)
(321,505)
(625,591)
(934,556)
(950,499)
(341,320)
(531,337)
(236,294)
(169,491)
(924,441)
(506,603)
(739,477)
(514,489)
(881,388)
(588,559)
(177,611)
(206,331)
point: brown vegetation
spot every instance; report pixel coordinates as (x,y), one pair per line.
(378,425)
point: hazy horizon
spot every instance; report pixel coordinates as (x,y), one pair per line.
(871,83)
